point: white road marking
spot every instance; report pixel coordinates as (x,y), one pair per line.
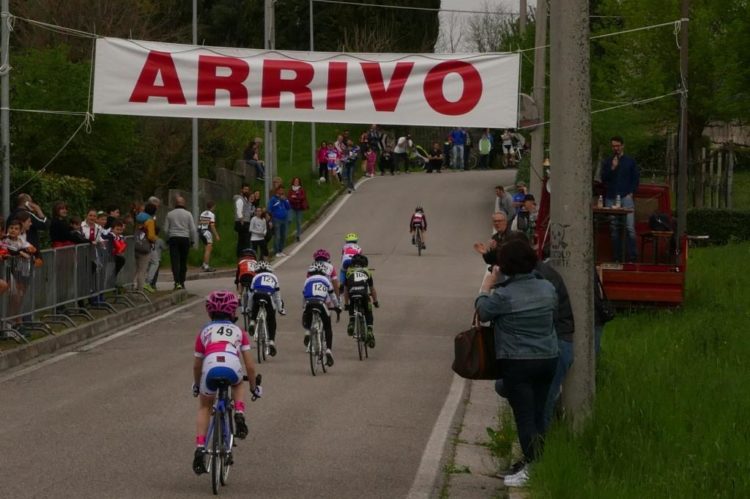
(429,467)
(91,346)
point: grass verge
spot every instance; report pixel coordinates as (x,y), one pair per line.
(668,418)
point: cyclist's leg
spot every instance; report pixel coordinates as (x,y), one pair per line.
(350,309)
(306,321)
(271,323)
(326,319)
(238,395)
(253,307)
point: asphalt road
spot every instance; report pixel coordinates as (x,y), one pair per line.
(117,420)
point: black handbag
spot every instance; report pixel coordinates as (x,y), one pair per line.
(474,352)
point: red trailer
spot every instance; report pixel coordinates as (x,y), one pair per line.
(658,277)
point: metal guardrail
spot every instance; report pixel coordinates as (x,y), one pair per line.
(70,282)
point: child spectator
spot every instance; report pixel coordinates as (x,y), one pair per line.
(21,266)
(75,231)
(386,162)
(332,161)
(208,234)
(323,163)
(118,245)
(370,157)
(258,231)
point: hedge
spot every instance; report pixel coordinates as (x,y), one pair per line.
(721,226)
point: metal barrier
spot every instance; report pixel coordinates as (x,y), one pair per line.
(70,282)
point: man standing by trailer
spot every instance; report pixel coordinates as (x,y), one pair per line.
(621,176)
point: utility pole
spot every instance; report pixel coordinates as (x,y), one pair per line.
(682,180)
(5,104)
(269,127)
(522,18)
(313,139)
(571,217)
(195,209)
(539,94)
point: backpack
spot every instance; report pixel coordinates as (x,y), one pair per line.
(142,244)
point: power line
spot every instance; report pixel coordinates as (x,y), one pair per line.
(429,9)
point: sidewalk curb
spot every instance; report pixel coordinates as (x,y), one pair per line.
(86,331)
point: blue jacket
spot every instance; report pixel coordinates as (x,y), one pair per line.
(459,137)
(624,180)
(279,208)
(522,312)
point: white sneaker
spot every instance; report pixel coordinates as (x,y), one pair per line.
(281,254)
(329,357)
(518,479)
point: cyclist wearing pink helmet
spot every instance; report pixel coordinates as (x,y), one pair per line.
(218,349)
(324,257)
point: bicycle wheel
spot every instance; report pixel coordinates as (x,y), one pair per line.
(323,346)
(363,328)
(260,338)
(359,333)
(216,468)
(418,240)
(227,440)
(314,347)
(245,311)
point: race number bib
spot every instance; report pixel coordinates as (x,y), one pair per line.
(319,289)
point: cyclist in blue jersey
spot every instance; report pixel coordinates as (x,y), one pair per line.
(318,294)
(266,285)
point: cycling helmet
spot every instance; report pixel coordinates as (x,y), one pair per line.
(248,252)
(222,301)
(322,254)
(317,268)
(351,237)
(419,208)
(263,266)
(359,260)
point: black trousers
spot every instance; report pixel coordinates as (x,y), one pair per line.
(243,236)
(178,253)
(526,384)
(307,320)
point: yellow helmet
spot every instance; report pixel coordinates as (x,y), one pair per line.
(351,237)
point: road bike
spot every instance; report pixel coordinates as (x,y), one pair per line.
(317,346)
(245,304)
(220,436)
(261,328)
(360,326)
(418,240)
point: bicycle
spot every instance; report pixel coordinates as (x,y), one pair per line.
(360,327)
(261,329)
(317,346)
(418,240)
(221,434)
(245,304)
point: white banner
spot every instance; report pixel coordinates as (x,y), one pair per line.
(161,79)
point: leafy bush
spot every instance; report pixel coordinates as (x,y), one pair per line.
(48,188)
(721,226)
